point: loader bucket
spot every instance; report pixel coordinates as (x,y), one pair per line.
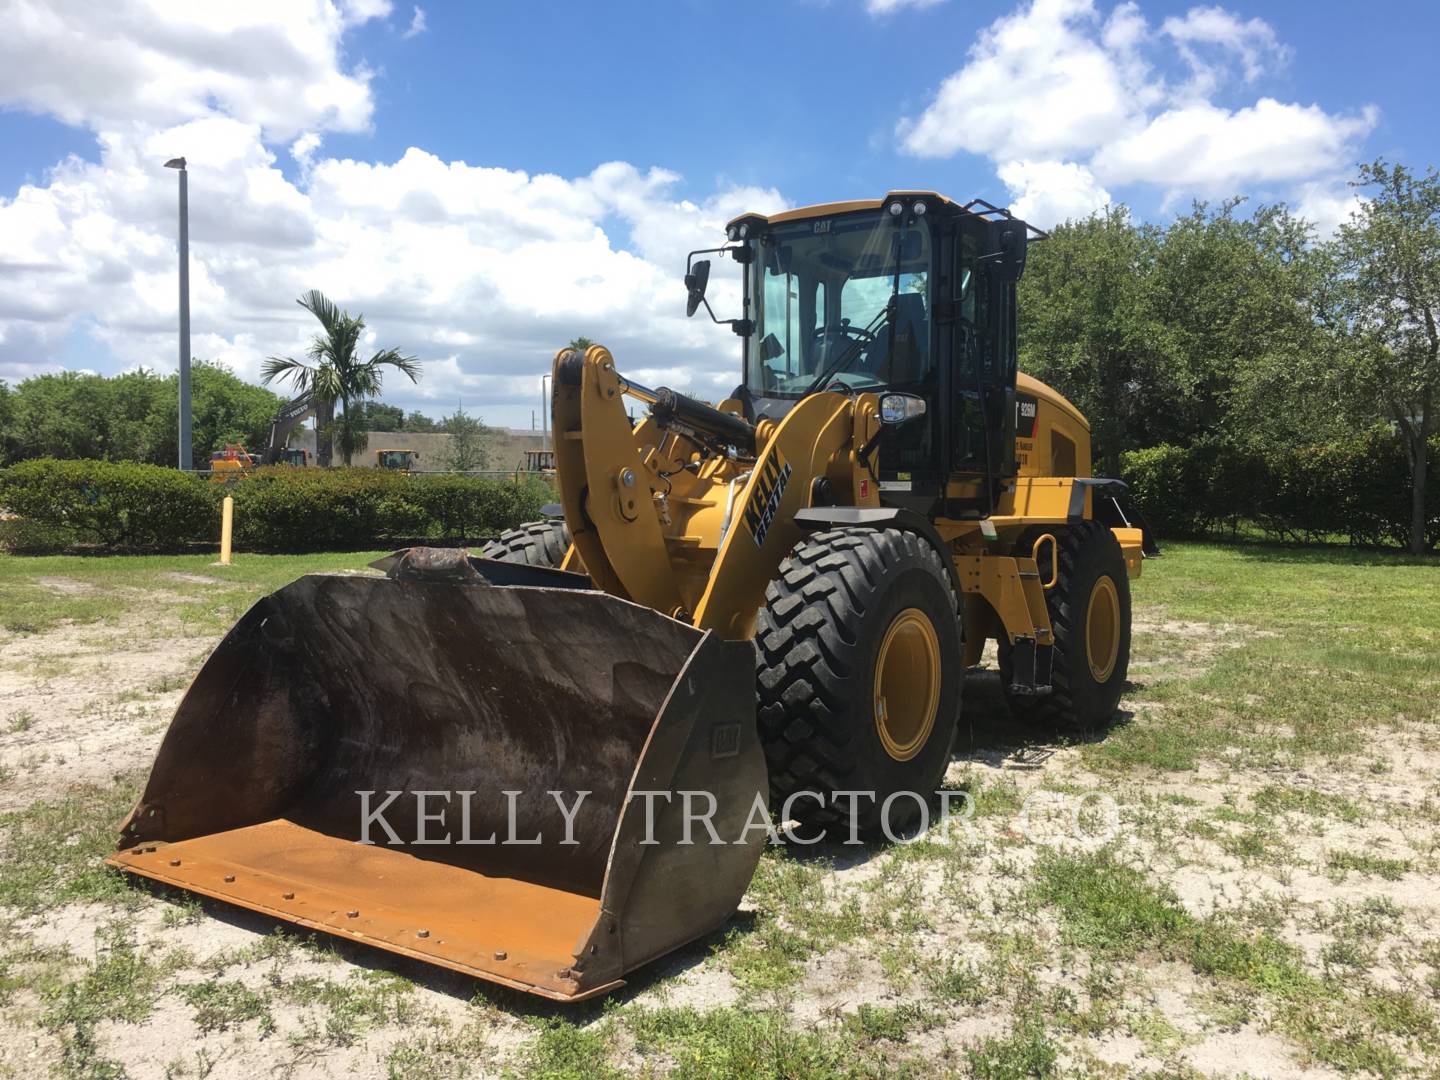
(474,702)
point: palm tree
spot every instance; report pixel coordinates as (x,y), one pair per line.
(335,373)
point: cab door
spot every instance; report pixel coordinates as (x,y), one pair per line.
(980,315)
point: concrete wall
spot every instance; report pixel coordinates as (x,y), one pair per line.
(507,449)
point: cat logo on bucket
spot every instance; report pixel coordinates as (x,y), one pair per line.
(765,500)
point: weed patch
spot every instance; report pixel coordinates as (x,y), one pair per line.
(51,852)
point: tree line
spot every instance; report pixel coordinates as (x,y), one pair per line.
(1246,334)
(133,416)
(1226,342)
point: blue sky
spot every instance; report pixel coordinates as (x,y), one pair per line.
(808,105)
(693,109)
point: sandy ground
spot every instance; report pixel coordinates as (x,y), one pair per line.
(85,703)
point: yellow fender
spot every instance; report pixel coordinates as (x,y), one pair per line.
(762,529)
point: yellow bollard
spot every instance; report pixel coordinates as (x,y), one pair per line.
(227,522)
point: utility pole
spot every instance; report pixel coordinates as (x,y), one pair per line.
(544,413)
(186,457)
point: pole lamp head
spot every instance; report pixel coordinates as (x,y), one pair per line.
(175,163)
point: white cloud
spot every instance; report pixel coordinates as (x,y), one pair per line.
(303,148)
(1039,83)
(1210,150)
(880,8)
(355,12)
(417,24)
(151,63)
(1208,38)
(1327,204)
(1052,191)
(482,272)
(1056,82)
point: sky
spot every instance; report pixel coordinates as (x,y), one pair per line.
(486,180)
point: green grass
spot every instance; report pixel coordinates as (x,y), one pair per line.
(565,1051)
(1306,653)
(103,589)
(1106,906)
(1362,862)
(797,915)
(443,1055)
(1117,911)
(1026,1053)
(347,1010)
(221,1005)
(1274,799)
(740,1044)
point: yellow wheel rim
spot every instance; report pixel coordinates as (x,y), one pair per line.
(1102,629)
(907,684)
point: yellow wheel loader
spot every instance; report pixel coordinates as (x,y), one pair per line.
(761,609)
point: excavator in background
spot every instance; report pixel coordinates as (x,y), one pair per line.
(234,461)
(770,603)
(290,416)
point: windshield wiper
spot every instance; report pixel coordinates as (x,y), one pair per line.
(889,313)
(845,359)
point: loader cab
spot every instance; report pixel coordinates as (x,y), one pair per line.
(911,293)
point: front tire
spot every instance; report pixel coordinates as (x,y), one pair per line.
(859,677)
(1090,615)
(536,543)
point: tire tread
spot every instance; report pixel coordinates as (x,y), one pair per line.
(806,638)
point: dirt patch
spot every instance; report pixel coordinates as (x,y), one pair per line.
(82,703)
(68,586)
(191,579)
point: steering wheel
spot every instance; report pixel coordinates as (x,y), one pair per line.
(844,330)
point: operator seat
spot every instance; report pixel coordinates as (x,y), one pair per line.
(912,343)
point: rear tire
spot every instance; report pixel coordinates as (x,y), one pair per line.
(859,677)
(536,543)
(1090,615)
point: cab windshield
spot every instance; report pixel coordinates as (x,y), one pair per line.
(822,304)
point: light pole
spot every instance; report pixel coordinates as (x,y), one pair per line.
(186,460)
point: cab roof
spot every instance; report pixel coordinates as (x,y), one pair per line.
(800,213)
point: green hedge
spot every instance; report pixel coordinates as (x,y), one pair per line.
(1359,490)
(130,507)
(116,504)
(287,509)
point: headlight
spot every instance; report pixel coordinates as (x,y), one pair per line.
(918,209)
(744,231)
(896,209)
(897,408)
(733,232)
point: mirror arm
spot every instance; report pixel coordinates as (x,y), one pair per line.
(743,327)
(742,254)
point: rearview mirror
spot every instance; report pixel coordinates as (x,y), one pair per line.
(695,282)
(1012,243)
